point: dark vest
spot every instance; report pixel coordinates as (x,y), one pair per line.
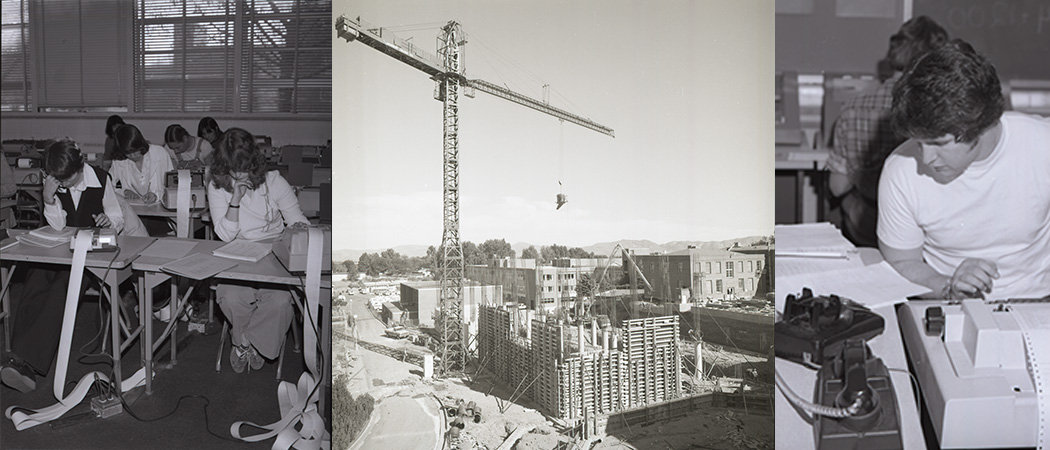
(90,202)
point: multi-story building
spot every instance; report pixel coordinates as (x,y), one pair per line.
(698,275)
(537,287)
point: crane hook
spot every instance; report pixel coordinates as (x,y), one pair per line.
(562,199)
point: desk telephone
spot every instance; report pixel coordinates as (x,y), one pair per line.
(832,332)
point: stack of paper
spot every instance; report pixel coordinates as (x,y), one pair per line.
(813,240)
(47,237)
(198,266)
(243,250)
(872,286)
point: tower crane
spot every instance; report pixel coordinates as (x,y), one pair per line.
(446,70)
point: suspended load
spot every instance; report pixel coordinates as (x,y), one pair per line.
(562,199)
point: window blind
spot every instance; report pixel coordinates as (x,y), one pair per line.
(15,85)
(287,56)
(82,48)
(183,55)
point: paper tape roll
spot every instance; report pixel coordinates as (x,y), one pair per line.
(182,205)
(1035,329)
(24,163)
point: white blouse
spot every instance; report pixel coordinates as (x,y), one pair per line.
(155,163)
(264,211)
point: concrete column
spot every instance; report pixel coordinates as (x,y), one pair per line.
(605,340)
(699,360)
(528,324)
(579,328)
(594,332)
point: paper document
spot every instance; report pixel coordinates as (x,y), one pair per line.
(36,241)
(169,248)
(872,286)
(820,240)
(46,232)
(198,267)
(244,250)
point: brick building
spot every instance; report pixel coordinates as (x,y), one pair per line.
(698,275)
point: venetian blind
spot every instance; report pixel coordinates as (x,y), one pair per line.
(184,53)
(287,56)
(81,47)
(14,77)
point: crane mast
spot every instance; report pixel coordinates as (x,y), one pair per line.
(453,348)
(447,70)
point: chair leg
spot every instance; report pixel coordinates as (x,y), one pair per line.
(280,362)
(222,345)
(295,335)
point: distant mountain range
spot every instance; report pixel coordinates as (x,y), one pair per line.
(601,248)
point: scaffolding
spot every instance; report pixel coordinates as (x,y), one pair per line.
(570,373)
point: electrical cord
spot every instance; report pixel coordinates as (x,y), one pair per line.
(813,408)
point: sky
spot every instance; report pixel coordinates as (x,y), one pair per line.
(686,85)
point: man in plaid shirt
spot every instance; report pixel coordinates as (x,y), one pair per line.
(863,136)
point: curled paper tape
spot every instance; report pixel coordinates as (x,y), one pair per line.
(1036,333)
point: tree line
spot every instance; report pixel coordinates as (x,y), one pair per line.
(390,262)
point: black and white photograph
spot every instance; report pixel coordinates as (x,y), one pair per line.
(913,224)
(167,224)
(558,227)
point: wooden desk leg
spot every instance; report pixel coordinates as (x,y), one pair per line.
(800,184)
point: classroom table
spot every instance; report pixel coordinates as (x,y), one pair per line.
(802,163)
(156,210)
(110,267)
(794,428)
(266,270)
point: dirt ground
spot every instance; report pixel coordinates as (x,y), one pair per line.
(716,428)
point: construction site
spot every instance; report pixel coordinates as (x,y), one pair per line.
(537,367)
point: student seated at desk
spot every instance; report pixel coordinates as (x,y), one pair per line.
(139,167)
(186,152)
(112,123)
(208,129)
(76,195)
(863,136)
(964,204)
(249,203)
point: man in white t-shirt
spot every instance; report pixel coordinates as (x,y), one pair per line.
(964,204)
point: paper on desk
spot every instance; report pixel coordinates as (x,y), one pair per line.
(814,239)
(169,248)
(198,266)
(872,286)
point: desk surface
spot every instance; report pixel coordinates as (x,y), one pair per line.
(799,158)
(7,203)
(793,430)
(130,247)
(266,270)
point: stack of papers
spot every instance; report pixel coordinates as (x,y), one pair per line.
(872,286)
(811,240)
(243,250)
(47,237)
(198,267)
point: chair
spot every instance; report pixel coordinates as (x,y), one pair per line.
(280,357)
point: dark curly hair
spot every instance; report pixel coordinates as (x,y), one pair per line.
(129,140)
(63,159)
(952,89)
(207,123)
(237,152)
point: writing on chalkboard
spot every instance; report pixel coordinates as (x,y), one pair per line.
(1001,14)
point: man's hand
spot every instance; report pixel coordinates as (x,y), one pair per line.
(150,198)
(102,221)
(51,186)
(973,277)
(300,225)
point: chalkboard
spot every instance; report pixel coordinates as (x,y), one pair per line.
(1013,34)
